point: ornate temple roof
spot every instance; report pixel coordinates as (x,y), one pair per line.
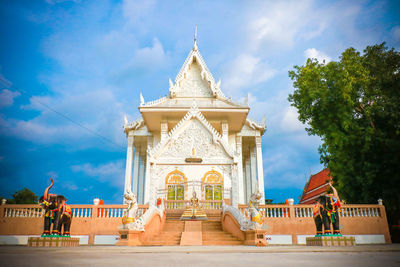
(315,187)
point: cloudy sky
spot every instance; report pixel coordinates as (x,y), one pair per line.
(87,61)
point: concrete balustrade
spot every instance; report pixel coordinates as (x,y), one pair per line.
(295,221)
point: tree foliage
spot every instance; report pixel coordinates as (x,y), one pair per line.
(24,196)
(354,106)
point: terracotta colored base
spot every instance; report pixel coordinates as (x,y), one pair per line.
(255,238)
(329,241)
(53,242)
(129,238)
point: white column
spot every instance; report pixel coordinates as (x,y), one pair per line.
(253,170)
(129,159)
(235,193)
(225,130)
(164,130)
(147,179)
(248,177)
(260,169)
(240,170)
(136,171)
(141,179)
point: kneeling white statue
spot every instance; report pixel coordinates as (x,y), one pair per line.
(130,220)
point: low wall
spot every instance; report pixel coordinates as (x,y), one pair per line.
(296,221)
(88,221)
(286,224)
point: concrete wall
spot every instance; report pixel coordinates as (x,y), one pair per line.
(101,227)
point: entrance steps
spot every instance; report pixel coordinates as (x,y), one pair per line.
(170,235)
(213,235)
(211,232)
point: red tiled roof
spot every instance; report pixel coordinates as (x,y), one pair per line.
(316,185)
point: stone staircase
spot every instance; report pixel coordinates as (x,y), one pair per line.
(212,233)
(170,235)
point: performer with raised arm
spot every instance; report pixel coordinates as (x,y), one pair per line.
(49,203)
(333,208)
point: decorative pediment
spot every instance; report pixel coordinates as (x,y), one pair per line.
(195,79)
(192,137)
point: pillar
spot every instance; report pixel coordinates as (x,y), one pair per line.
(248,177)
(235,193)
(164,130)
(240,170)
(260,169)
(136,171)
(225,130)
(253,170)
(141,178)
(129,160)
(147,179)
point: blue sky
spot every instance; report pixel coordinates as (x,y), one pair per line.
(89,60)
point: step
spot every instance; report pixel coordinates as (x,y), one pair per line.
(222,243)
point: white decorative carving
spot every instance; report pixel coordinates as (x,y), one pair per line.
(193,85)
(140,223)
(245,223)
(195,130)
(134,125)
(196,137)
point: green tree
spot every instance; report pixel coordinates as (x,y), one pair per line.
(24,196)
(354,106)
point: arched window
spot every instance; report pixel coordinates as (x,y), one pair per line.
(176,184)
(212,185)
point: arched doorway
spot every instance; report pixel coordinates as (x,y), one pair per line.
(175,184)
(212,185)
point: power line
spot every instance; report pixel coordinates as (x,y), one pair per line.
(10,85)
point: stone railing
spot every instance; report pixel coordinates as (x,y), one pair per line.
(302,211)
(182,204)
(78,211)
(154,102)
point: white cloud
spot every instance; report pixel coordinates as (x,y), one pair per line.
(111,172)
(52,174)
(245,70)
(134,10)
(319,55)
(279,23)
(98,111)
(70,185)
(290,122)
(7,97)
(150,58)
(396,33)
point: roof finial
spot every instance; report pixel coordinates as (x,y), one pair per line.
(195,39)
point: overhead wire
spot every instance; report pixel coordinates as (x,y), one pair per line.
(10,85)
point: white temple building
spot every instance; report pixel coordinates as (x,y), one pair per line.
(194,139)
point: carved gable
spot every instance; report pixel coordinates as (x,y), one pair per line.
(193,83)
(193,140)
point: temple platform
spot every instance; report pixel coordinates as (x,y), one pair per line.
(330,241)
(53,242)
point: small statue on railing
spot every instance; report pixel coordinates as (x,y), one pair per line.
(326,212)
(132,210)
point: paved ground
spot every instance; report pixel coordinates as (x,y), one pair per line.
(382,255)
